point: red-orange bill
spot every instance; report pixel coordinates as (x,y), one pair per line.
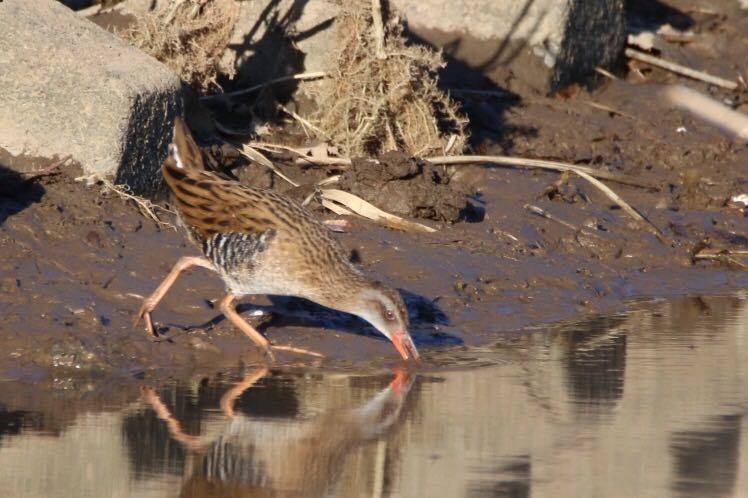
(404,345)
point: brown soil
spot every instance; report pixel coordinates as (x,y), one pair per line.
(408,187)
(76,259)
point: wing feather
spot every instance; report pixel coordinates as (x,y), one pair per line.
(210,205)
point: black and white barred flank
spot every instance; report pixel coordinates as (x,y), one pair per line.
(234,251)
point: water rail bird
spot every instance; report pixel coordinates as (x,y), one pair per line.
(261,242)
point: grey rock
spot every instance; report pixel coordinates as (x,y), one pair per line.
(280,38)
(548,43)
(70,87)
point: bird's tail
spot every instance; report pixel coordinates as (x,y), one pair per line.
(183,152)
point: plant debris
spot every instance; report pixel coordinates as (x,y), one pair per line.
(680,69)
(345,203)
(189,36)
(377,101)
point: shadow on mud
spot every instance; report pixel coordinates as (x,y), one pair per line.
(16,193)
(424,314)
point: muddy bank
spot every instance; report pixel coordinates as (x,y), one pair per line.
(77,260)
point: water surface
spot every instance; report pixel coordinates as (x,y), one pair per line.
(646,403)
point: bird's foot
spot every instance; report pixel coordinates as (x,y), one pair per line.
(295,350)
(145,314)
(269,354)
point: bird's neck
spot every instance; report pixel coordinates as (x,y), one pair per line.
(344,295)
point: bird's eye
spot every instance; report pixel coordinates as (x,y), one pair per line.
(389,315)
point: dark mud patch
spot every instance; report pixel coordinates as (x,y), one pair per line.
(407,186)
(67,284)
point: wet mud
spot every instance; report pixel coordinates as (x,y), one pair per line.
(77,259)
(409,187)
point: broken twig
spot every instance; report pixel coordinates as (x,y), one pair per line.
(294,349)
(295,77)
(146,207)
(682,70)
(710,110)
(623,204)
(609,109)
(511,162)
(540,164)
(545,214)
(605,73)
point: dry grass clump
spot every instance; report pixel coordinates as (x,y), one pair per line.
(378,101)
(189,36)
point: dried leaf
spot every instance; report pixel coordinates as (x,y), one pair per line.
(352,203)
(255,155)
(337,226)
(336,208)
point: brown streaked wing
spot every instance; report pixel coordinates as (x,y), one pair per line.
(210,204)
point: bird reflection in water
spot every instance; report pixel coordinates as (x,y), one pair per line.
(249,458)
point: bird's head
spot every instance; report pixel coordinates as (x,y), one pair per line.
(383,307)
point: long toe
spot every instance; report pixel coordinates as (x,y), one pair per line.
(138,317)
(269,354)
(145,315)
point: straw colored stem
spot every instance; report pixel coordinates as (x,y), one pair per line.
(295,77)
(679,69)
(516,162)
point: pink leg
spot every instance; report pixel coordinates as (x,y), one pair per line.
(227,307)
(150,303)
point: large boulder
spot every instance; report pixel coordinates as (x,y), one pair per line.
(70,87)
(548,43)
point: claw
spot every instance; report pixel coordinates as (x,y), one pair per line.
(145,315)
(269,353)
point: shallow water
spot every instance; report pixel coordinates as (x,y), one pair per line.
(647,403)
